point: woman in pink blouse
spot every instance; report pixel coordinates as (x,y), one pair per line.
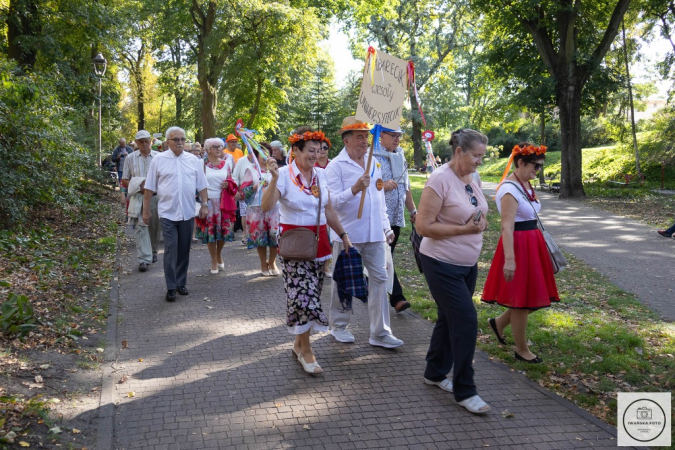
(451,217)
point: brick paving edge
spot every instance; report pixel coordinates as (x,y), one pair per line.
(106,408)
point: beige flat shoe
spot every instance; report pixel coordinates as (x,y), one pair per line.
(311,368)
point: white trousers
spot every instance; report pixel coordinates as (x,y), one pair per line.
(373,256)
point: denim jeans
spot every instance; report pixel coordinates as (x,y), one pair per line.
(453,340)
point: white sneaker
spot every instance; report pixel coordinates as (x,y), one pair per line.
(476,405)
(388,341)
(342,335)
(446,384)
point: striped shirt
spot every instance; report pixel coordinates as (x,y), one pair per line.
(136,165)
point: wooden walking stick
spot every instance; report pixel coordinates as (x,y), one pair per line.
(363,192)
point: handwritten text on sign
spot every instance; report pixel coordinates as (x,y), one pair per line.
(381,102)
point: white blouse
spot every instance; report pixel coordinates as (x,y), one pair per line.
(525,210)
(216,177)
(297,207)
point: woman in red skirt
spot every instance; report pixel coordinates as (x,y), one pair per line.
(521,276)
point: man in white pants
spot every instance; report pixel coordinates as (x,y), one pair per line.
(136,166)
(347,178)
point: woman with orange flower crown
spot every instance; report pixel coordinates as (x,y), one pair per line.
(302,192)
(521,276)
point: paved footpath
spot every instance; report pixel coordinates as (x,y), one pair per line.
(629,253)
(219,374)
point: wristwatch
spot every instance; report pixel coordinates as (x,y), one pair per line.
(204,203)
(414,211)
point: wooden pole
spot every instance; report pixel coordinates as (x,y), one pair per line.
(363,193)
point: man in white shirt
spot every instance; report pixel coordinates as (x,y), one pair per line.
(347,179)
(136,168)
(175,176)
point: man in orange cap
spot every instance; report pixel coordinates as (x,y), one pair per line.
(232,149)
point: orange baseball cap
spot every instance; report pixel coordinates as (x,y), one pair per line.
(231,137)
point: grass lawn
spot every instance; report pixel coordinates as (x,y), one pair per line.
(599,340)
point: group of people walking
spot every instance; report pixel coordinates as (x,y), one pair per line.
(305,191)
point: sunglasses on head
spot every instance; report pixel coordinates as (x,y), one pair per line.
(472,198)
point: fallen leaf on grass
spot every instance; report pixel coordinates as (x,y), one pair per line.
(140,359)
(9,437)
(209,307)
(55,430)
(76,431)
(24,444)
(45,366)
(100,350)
(306,427)
(38,379)
(507,414)
(131,394)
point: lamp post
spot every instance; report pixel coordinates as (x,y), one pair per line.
(100,64)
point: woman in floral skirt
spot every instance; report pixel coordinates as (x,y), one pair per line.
(262,226)
(214,229)
(300,189)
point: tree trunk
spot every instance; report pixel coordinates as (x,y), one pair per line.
(140,83)
(542,139)
(23,26)
(630,101)
(209,105)
(419,151)
(179,106)
(256,104)
(569,103)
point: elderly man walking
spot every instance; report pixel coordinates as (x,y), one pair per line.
(396,186)
(175,176)
(136,168)
(347,178)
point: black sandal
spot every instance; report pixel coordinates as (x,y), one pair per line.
(493,325)
(535,360)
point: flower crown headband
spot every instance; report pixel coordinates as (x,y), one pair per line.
(528,150)
(309,136)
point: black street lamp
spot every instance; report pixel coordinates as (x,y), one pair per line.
(100,64)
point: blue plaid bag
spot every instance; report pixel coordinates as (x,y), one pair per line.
(348,274)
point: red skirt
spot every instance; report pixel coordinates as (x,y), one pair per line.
(533,285)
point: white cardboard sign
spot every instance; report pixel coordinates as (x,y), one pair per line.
(382,94)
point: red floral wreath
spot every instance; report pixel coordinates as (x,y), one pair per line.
(309,136)
(529,150)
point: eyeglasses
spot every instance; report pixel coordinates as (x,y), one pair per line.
(177,140)
(325,149)
(472,198)
(393,135)
(538,166)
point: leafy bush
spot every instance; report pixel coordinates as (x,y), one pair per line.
(17,317)
(40,161)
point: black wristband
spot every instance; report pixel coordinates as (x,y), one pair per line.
(343,234)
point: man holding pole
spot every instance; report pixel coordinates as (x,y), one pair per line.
(348,181)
